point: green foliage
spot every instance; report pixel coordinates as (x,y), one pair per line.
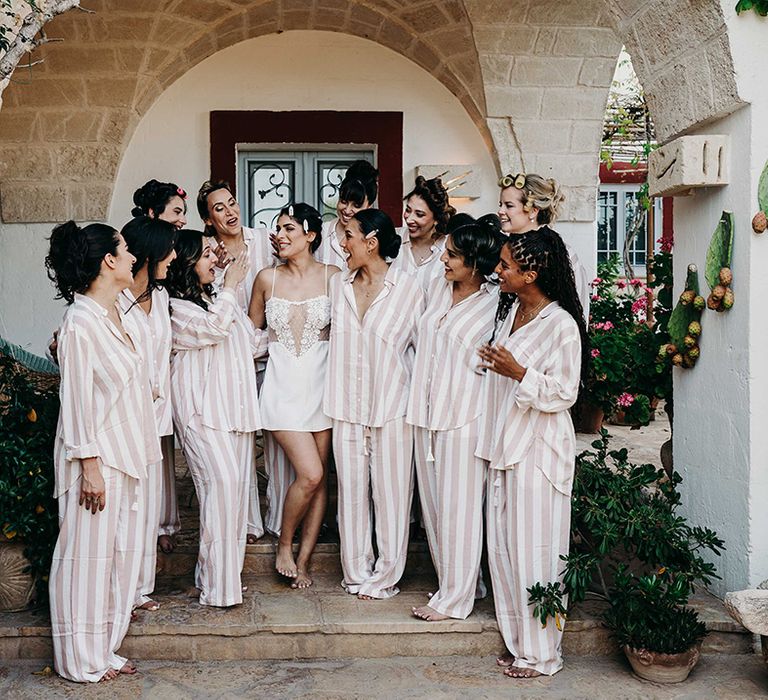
(720,249)
(28,513)
(623,512)
(762,190)
(759,6)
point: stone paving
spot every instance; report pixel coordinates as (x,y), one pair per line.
(722,677)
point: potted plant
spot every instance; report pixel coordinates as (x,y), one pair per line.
(631,549)
(29,406)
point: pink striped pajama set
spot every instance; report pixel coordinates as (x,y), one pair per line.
(160,484)
(527,437)
(280,473)
(106,412)
(366,395)
(425,271)
(444,407)
(216,412)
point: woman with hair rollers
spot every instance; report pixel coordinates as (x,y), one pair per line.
(161,200)
(151,242)
(529,202)
(427,211)
(106,440)
(358,191)
(526,435)
(292,302)
(375,309)
(444,407)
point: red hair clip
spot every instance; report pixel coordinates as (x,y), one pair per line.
(181,193)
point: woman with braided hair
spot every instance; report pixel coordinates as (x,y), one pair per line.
(426,215)
(529,202)
(526,435)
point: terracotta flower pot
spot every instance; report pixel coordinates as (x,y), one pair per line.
(663,668)
(587,418)
(16,585)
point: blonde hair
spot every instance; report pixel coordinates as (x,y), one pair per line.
(538,193)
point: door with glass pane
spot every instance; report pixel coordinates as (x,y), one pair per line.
(271,180)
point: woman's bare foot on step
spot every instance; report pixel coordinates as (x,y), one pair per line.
(284,562)
(424,612)
(109,675)
(505,660)
(166,544)
(518,672)
(151,605)
(128,668)
(251,539)
(303,580)
(362,596)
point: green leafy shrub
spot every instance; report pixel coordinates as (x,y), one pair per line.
(632,549)
(29,409)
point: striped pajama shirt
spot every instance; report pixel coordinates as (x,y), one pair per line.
(444,407)
(260,255)
(366,394)
(216,413)
(160,484)
(527,437)
(106,412)
(425,271)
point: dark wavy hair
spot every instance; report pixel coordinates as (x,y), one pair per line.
(155,195)
(378,222)
(544,252)
(150,241)
(308,218)
(479,241)
(182,281)
(436,197)
(75,255)
(361,182)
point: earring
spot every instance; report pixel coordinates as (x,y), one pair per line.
(530,218)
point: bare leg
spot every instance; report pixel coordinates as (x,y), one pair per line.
(301,450)
(313,520)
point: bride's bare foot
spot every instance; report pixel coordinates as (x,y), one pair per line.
(505,660)
(166,544)
(151,605)
(284,562)
(424,612)
(302,580)
(518,672)
(128,668)
(362,596)
(109,675)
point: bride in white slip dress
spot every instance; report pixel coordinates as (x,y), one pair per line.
(292,301)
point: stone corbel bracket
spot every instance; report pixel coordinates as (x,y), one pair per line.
(688,162)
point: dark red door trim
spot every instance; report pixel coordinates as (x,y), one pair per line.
(384,129)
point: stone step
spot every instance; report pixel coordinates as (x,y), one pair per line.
(323,622)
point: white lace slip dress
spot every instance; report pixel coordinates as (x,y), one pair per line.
(292,394)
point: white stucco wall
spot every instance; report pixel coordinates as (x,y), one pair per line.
(721,413)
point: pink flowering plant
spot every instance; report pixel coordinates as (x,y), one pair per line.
(624,344)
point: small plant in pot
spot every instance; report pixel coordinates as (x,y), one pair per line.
(632,550)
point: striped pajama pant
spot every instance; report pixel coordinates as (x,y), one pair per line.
(169,504)
(280,475)
(528,529)
(221,463)
(451,488)
(93,578)
(151,494)
(375,472)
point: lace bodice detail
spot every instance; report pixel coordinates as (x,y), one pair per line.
(298,325)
